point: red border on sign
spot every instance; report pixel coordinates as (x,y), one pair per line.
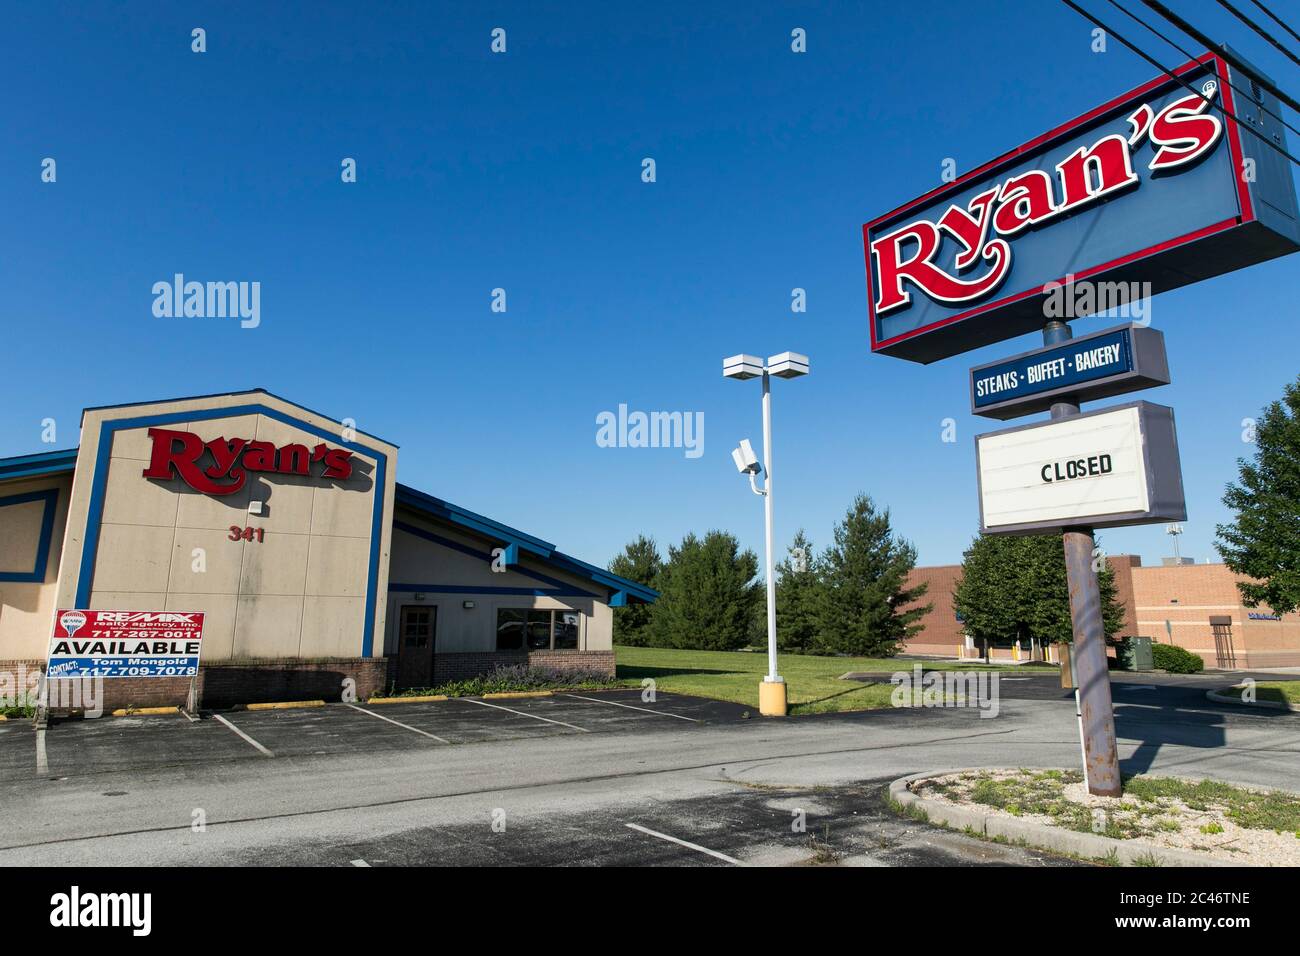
(1234,146)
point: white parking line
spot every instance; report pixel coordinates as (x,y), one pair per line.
(360,863)
(264,751)
(689,846)
(42,765)
(614,703)
(414,730)
(471,700)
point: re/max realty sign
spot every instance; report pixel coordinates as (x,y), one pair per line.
(88,643)
(1154,187)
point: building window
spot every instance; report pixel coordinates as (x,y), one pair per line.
(510,629)
(537,630)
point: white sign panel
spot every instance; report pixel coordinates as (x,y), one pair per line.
(1107,468)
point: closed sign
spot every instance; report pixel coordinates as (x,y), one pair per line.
(1102,469)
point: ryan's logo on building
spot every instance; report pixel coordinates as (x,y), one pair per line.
(221,466)
(1180,133)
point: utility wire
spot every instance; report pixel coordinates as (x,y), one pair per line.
(1164,69)
(1276,19)
(1192,56)
(1258,29)
(1209,44)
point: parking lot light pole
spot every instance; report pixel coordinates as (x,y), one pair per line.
(772,701)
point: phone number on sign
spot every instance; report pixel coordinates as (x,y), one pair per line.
(125,667)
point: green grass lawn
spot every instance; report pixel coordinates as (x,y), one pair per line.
(812,683)
(1272,691)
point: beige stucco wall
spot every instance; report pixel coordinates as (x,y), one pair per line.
(300,592)
(416,560)
(27,608)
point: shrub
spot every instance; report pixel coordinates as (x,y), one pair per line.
(518,677)
(1176,660)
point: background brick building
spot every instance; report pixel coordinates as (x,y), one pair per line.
(1196,606)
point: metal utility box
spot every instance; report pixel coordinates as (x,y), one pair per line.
(1142,657)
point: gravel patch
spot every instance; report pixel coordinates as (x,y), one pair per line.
(1235,824)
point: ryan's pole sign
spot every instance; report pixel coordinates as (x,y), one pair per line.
(1155,186)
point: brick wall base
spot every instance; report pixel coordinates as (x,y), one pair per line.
(450,667)
(220,685)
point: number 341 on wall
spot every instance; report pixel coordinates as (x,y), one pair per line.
(247,534)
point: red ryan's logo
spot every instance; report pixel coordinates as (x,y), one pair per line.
(187,456)
(1182,132)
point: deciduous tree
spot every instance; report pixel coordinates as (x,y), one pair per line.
(1263,541)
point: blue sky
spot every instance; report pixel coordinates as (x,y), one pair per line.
(523,171)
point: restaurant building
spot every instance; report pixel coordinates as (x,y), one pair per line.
(317,572)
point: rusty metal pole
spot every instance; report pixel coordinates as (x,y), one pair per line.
(1101,757)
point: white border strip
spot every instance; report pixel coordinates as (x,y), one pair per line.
(244,735)
(689,846)
(414,730)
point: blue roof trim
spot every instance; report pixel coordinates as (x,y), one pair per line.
(470,519)
(559,587)
(455,514)
(607,578)
(46,463)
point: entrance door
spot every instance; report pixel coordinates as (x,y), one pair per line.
(415,641)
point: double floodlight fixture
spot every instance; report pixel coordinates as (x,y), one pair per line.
(785,365)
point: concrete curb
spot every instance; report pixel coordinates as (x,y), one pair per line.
(281,705)
(511,694)
(421,699)
(144,711)
(1086,845)
(1221,698)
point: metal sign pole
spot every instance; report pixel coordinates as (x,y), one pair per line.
(191,708)
(1101,759)
(41,717)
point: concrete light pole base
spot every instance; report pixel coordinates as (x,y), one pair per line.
(771,698)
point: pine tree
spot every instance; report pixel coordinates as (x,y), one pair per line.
(865,574)
(707,594)
(798,594)
(1263,542)
(639,562)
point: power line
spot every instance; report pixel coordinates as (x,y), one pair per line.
(1209,44)
(1192,56)
(1258,29)
(1276,19)
(1164,69)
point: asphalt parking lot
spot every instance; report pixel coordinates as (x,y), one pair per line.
(589,778)
(115,744)
(750,826)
